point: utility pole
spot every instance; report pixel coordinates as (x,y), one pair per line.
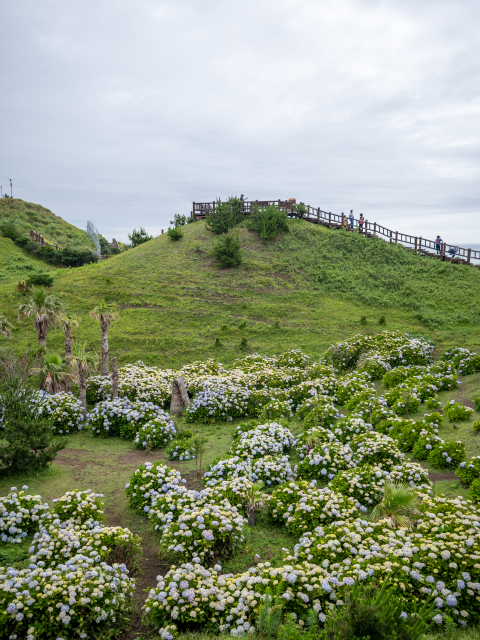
(11,189)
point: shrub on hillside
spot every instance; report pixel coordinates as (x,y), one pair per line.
(175,233)
(10,231)
(469,471)
(268,222)
(456,411)
(226,216)
(139,237)
(227,251)
(476,425)
(447,455)
(40,280)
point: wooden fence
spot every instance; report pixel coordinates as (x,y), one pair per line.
(327,218)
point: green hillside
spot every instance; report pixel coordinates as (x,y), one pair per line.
(16,264)
(55,230)
(306,290)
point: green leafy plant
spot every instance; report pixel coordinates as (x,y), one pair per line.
(433,403)
(476,402)
(377,614)
(268,221)
(456,411)
(46,309)
(175,233)
(40,279)
(226,216)
(179,221)
(476,425)
(382,320)
(399,505)
(139,237)
(227,251)
(27,441)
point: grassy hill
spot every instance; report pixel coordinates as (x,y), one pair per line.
(16,264)
(306,290)
(26,216)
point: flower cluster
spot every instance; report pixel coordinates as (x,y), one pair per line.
(376,448)
(219,401)
(156,433)
(21,514)
(123,418)
(79,506)
(68,589)
(324,461)
(463,360)
(181,449)
(150,481)
(203,532)
(64,410)
(301,505)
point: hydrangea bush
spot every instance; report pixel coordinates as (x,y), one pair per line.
(156,433)
(64,410)
(123,418)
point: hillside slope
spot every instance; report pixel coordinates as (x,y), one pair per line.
(306,290)
(26,216)
(16,264)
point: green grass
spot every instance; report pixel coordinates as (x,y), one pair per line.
(26,216)
(16,264)
(305,290)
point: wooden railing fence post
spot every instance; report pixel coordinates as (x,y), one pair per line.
(416,243)
(391,236)
(396,237)
(329,218)
(374,228)
(469,256)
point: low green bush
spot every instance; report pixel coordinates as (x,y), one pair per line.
(227,251)
(40,280)
(447,455)
(268,222)
(476,425)
(475,490)
(476,402)
(457,412)
(175,233)
(469,471)
(227,215)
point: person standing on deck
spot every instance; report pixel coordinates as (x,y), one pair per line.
(360,223)
(350,219)
(344,221)
(438,244)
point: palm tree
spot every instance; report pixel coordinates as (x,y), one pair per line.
(81,362)
(68,320)
(399,505)
(5,326)
(46,308)
(254,496)
(54,373)
(105,313)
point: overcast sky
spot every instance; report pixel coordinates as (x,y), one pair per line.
(124,111)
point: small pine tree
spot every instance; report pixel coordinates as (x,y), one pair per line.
(27,441)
